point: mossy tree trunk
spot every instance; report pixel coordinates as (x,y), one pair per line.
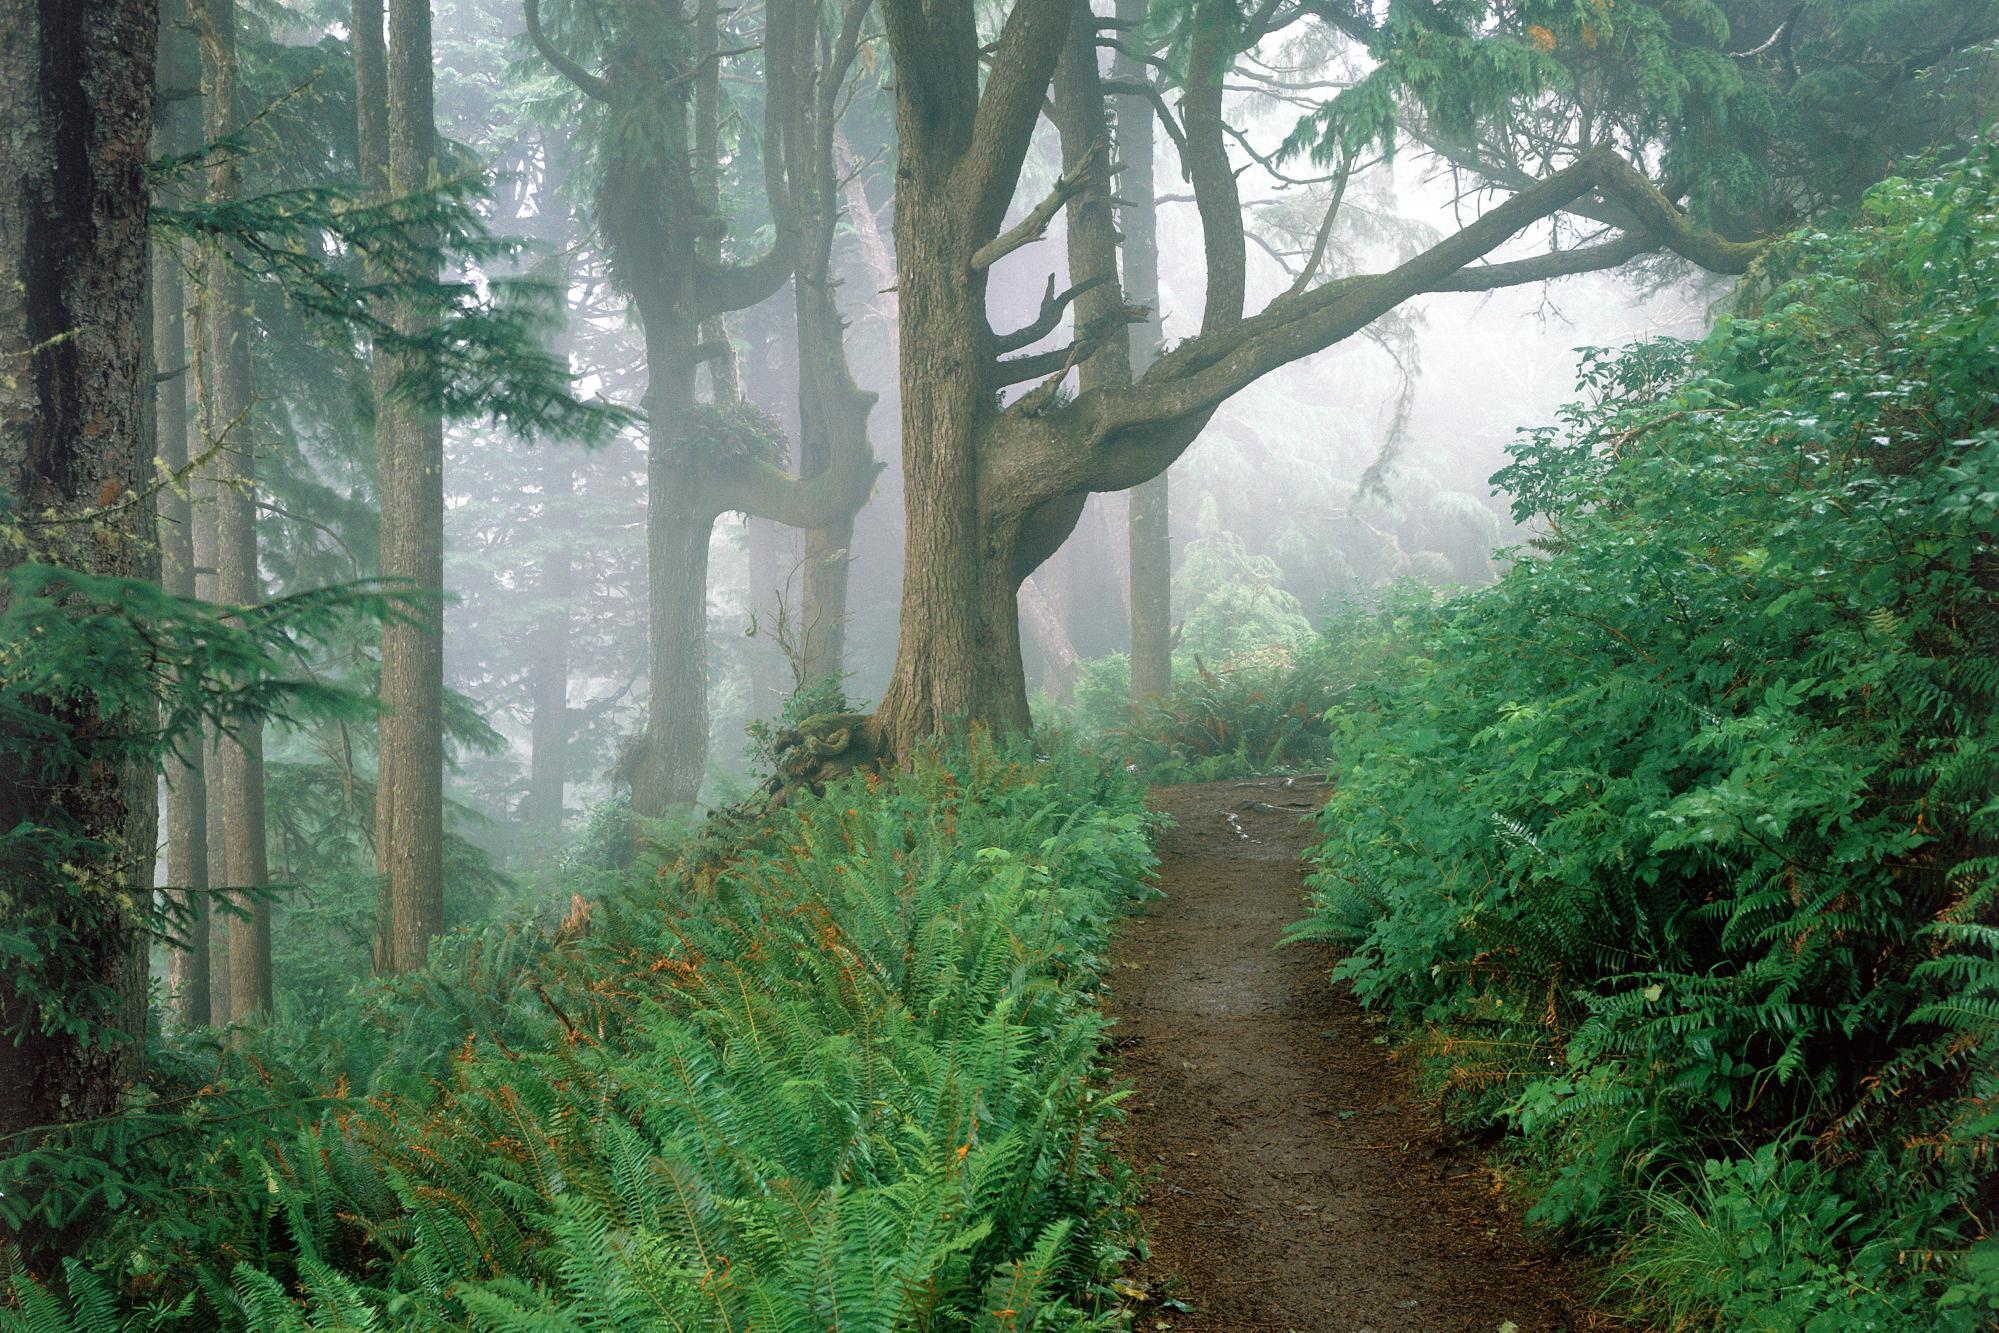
(658,209)
(76,96)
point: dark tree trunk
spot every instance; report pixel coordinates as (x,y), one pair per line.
(76,96)
(1151,600)
(178,131)
(239,785)
(410,436)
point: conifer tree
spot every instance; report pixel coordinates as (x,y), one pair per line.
(76,96)
(178,132)
(230,430)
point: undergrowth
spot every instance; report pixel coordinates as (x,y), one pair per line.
(1675,849)
(838,1070)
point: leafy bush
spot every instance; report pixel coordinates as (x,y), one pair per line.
(1265,715)
(1678,843)
(842,1076)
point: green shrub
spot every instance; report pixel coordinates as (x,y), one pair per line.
(1254,717)
(1677,845)
(842,1075)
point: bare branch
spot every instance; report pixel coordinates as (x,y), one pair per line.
(1542,268)
(1035,225)
(1029,44)
(1061,360)
(1052,306)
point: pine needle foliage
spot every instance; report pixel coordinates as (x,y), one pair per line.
(1676,846)
(834,1070)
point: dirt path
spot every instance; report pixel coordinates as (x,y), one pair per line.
(1300,1185)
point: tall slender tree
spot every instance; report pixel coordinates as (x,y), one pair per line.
(409,830)
(178,132)
(1149,527)
(231,431)
(76,96)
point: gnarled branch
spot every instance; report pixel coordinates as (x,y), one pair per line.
(1035,225)
(1052,306)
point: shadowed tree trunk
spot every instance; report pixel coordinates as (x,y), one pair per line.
(178,131)
(239,785)
(1059,662)
(76,96)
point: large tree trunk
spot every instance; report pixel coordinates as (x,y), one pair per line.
(178,131)
(76,96)
(410,811)
(1151,600)
(958,647)
(239,787)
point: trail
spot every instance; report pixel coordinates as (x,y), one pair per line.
(1300,1184)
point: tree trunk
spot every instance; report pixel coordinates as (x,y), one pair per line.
(548,686)
(1151,599)
(410,434)
(674,753)
(833,424)
(239,787)
(215,851)
(178,131)
(76,96)
(958,646)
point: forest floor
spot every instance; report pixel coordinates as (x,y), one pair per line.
(1298,1182)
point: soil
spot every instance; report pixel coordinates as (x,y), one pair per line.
(1299,1182)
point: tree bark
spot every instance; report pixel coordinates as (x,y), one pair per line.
(239,787)
(177,130)
(958,644)
(410,440)
(76,96)
(215,852)
(1148,527)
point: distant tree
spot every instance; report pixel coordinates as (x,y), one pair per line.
(230,428)
(397,138)
(1149,527)
(657,206)
(177,132)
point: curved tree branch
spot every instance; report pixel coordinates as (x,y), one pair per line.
(592,85)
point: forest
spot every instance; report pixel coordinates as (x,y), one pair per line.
(999,664)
